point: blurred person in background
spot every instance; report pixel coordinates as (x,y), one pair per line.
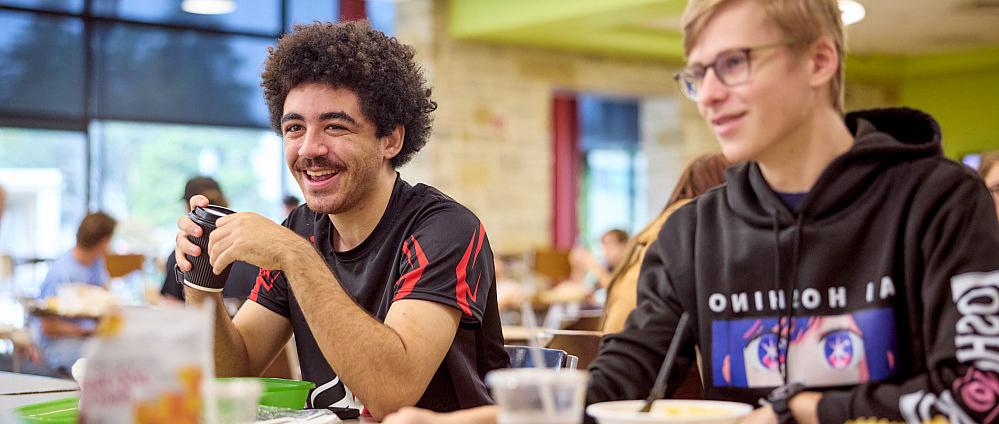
(242,276)
(990,173)
(509,291)
(583,262)
(290,203)
(386,286)
(61,339)
(702,174)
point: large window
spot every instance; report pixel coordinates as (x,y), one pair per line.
(114,107)
(71,6)
(152,74)
(612,193)
(143,168)
(42,70)
(251,16)
(44,174)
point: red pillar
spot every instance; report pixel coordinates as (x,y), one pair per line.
(352,10)
(567,163)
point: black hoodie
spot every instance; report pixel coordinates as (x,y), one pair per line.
(884,284)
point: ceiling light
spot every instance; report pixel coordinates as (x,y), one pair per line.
(208,7)
(851,11)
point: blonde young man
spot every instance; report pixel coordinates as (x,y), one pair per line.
(846,270)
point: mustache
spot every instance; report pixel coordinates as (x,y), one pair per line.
(304,164)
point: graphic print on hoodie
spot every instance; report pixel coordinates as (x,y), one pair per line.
(833,350)
(881,290)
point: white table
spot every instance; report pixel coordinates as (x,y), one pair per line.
(16,383)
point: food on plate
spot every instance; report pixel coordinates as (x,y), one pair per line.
(79,300)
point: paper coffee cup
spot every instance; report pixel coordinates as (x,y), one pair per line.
(201,276)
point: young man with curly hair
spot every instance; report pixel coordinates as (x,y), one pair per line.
(387,287)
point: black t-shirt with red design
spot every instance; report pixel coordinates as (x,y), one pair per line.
(426,246)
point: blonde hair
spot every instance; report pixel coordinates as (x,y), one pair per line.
(801,20)
(987,162)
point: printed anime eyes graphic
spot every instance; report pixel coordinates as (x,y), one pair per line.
(766,351)
(842,349)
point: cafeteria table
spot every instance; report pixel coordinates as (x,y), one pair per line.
(16,391)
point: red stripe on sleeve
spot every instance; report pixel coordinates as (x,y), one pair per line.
(478,247)
(461,291)
(262,278)
(409,279)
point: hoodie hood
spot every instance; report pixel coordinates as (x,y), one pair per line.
(883,138)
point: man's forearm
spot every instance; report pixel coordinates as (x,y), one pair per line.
(383,381)
(231,359)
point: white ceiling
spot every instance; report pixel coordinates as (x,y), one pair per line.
(908,27)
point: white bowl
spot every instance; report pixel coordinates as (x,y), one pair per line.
(669,412)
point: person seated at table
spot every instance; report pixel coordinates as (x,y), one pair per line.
(700,175)
(61,340)
(583,263)
(387,286)
(241,277)
(847,270)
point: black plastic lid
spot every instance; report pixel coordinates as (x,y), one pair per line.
(211,213)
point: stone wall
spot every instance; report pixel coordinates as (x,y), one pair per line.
(491,146)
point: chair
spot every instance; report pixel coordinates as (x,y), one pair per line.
(586,320)
(583,345)
(122,265)
(551,263)
(520,357)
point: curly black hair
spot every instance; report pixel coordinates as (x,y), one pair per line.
(389,84)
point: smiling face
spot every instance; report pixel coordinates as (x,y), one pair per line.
(331,148)
(752,119)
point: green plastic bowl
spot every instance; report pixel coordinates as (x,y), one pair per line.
(281,393)
(277,392)
(62,411)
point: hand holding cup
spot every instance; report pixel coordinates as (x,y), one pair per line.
(196,228)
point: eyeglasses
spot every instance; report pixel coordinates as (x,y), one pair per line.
(731,68)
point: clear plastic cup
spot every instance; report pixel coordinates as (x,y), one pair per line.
(233,401)
(534,395)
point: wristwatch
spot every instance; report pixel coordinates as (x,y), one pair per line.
(779,398)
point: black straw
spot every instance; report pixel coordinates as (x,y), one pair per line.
(659,389)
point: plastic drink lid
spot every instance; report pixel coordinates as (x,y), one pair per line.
(517,377)
(211,213)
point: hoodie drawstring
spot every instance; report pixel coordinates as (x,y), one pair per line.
(795,250)
(787,313)
(778,286)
